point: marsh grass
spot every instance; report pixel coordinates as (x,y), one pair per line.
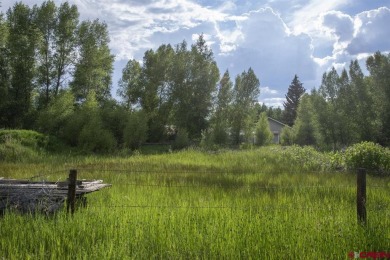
(258,204)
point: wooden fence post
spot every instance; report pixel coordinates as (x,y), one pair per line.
(361,196)
(71,201)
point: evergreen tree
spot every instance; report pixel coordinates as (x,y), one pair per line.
(294,93)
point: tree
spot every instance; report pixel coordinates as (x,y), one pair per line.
(156,98)
(136,130)
(21,47)
(294,93)
(46,21)
(95,63)
(364,115)
(220,118)
(130,85)
(263,132)
(93,136)
(65,42)
(306,127)
(379,67)
(4,72)
(194,78)
(245,96)
(52,118)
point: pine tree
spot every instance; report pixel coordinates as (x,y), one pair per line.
(295,91)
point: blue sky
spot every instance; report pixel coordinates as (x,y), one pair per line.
(277,38)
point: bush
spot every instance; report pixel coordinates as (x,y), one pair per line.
(306,157)
(181,141)
(368,155)
(94,138)
(14,151)
(136,130)
(263,132)
(287,136)
(27,138)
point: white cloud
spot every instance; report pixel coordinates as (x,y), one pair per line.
(268,90)
(372,32)
(305,19)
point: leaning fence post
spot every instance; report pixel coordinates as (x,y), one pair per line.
(361,196)
(71,201)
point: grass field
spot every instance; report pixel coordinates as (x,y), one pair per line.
(261,204)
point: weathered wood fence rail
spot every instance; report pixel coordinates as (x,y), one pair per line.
(45,196)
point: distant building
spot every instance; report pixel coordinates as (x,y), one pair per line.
(276,128)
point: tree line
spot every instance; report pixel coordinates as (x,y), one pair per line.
(55,77)
(347,108)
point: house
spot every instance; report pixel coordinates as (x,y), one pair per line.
(276,128)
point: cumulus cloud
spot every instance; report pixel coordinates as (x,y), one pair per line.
(372,32)
(267,45)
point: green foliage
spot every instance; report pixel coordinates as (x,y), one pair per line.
(293,96)
(263,132)
(14,151)
(94,68)
(368,155)
(245,95)
(181,141)
(306,157)
(26,138)
(287,136)
(306,127)
(94,138)
(136,130)
(52,119)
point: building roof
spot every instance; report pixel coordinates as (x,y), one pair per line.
(276,121)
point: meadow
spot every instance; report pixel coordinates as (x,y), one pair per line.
(266,203)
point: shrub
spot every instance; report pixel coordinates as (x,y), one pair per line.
(287,136)
(136,130)
(14,151)
(181,141)
(27,138)
(263,132)
(307,158)
(368,155)
(94,138)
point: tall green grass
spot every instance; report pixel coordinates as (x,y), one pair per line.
(260,204)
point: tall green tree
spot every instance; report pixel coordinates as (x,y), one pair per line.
(94,66)
(22,44)
(364,115)
(245,96)
(221,116)
(65,44)
(130,84)
(156,98)
(263,132)
(294,93)
(326,106)
(195,76)
(306,127)
(379,67)
(4,72)
(46,21)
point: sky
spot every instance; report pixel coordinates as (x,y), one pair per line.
(278,39)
